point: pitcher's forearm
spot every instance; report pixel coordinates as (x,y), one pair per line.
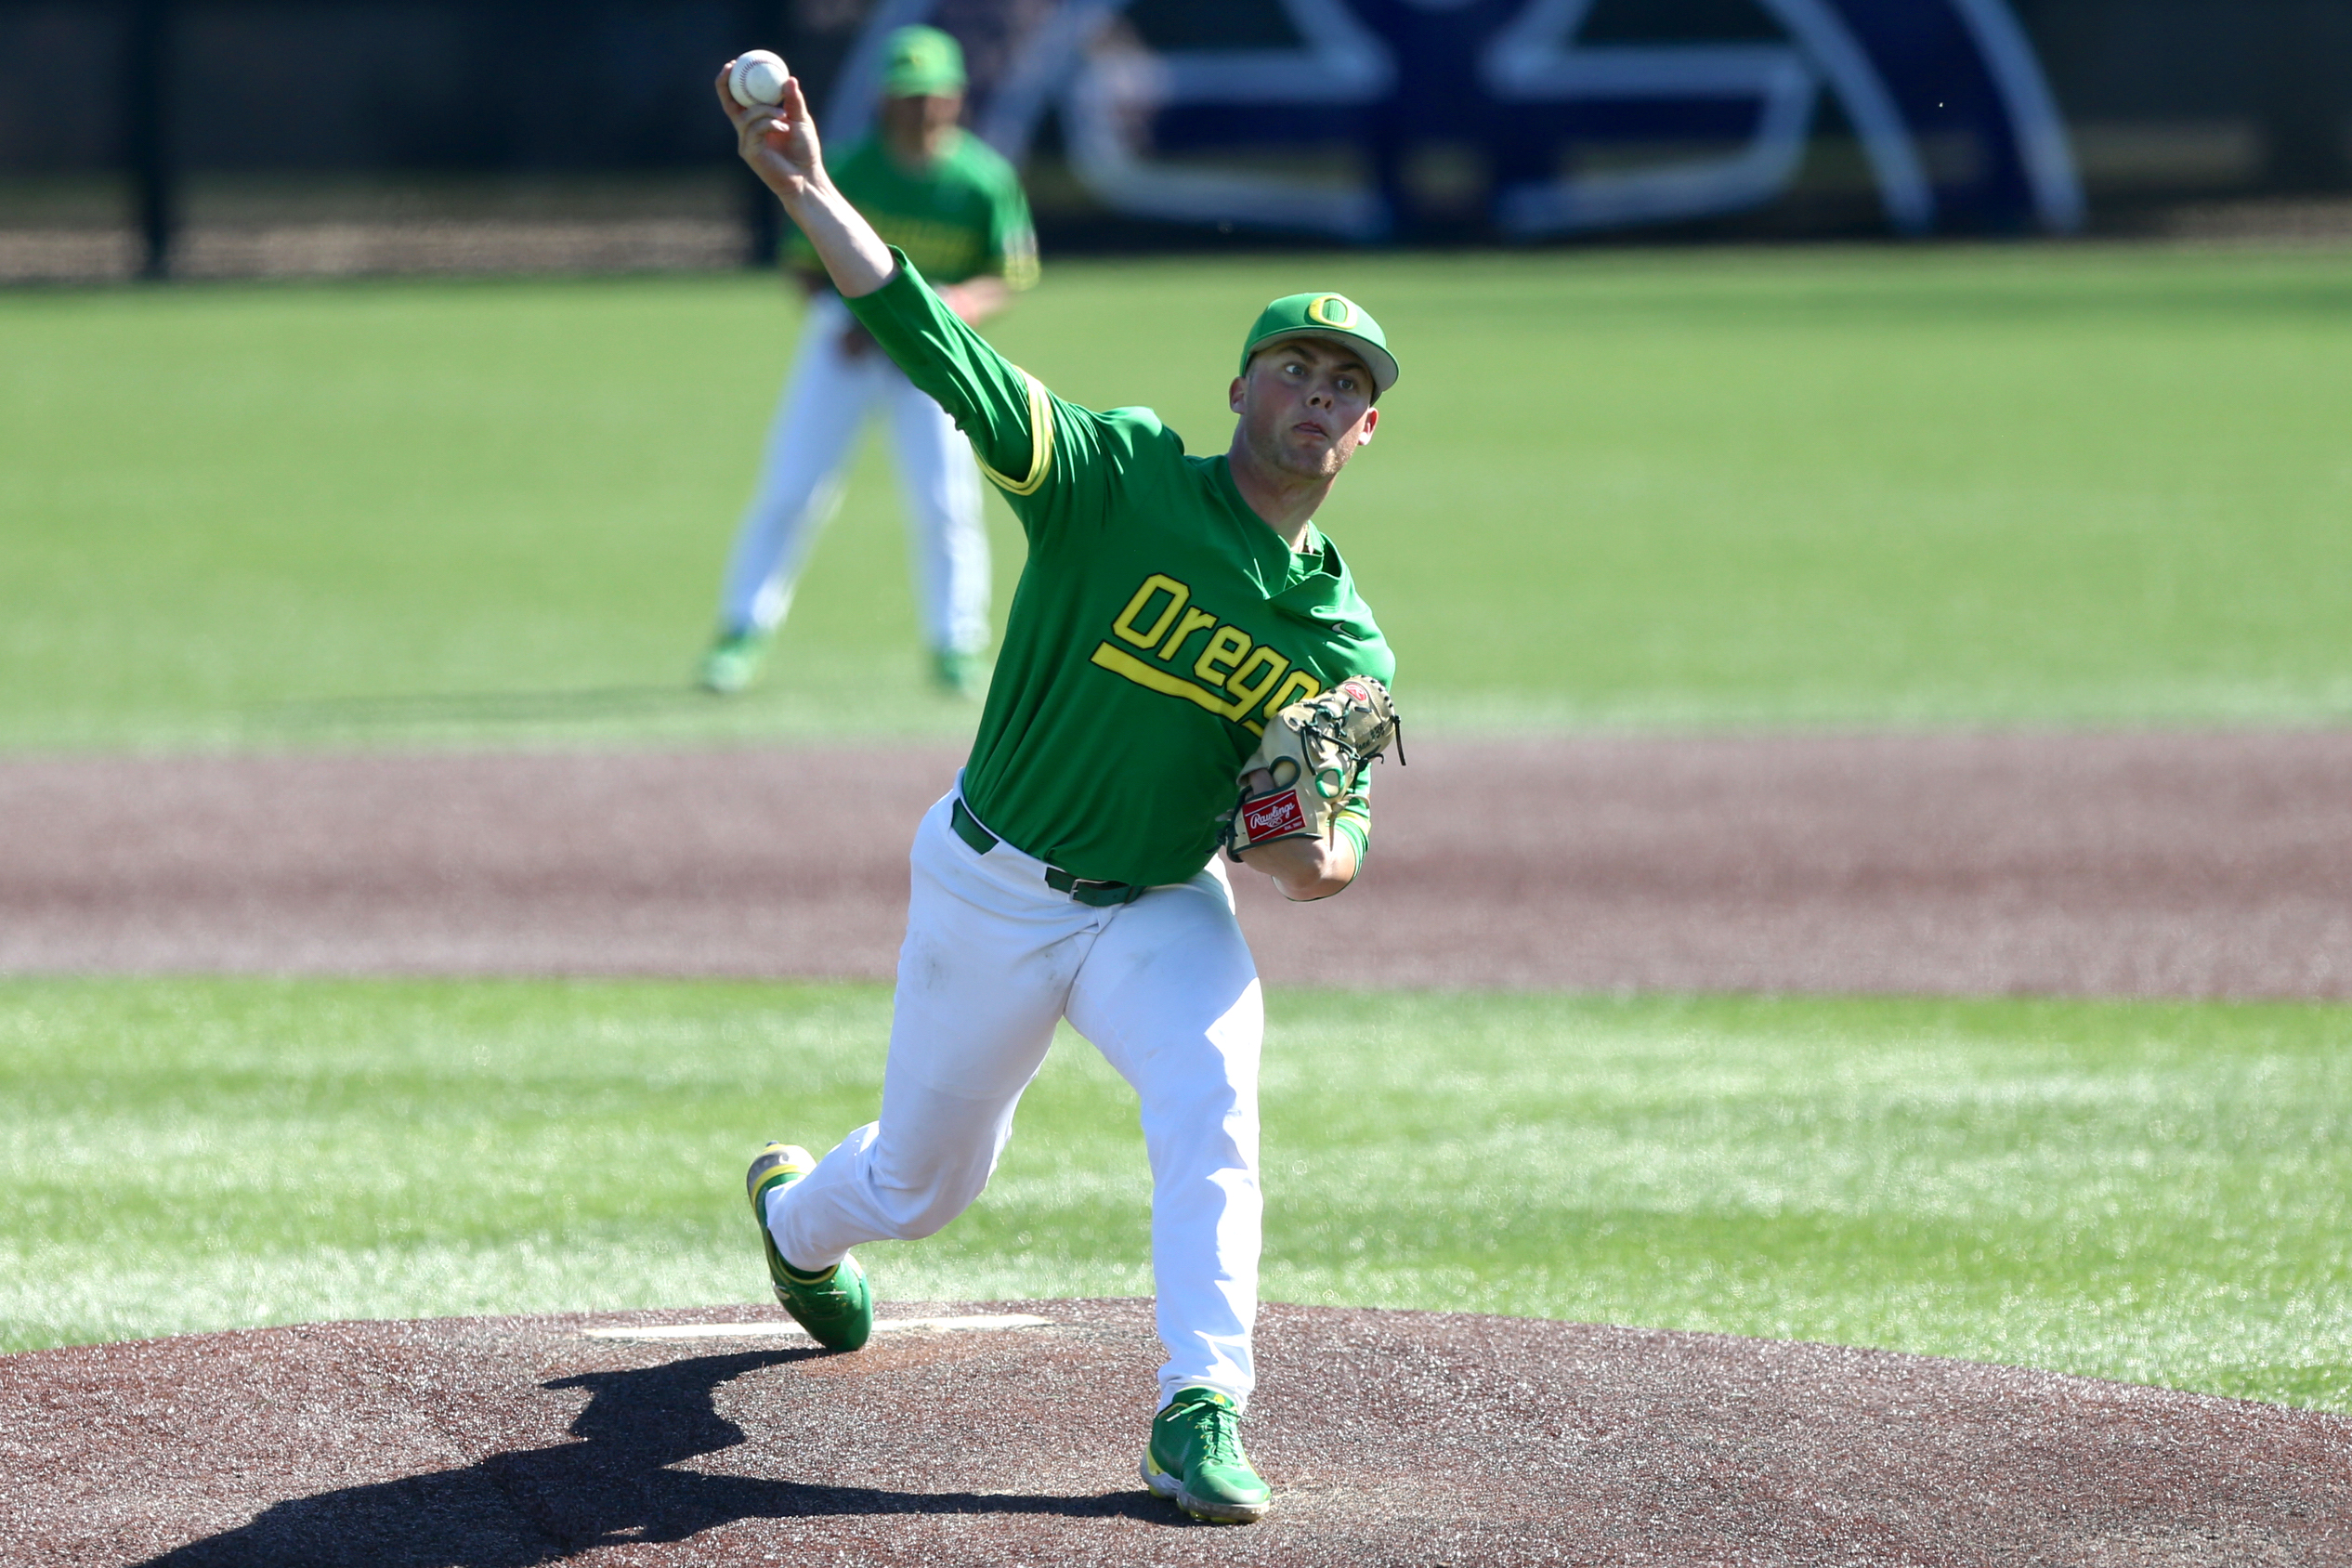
(854,255)
(1306,870)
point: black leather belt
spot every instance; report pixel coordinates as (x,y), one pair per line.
(1085,890)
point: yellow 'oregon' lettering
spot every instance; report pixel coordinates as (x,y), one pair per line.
(1194,621)
(1243,670)
(1227,645)
(1154,585)
(1238,683)
(935,247)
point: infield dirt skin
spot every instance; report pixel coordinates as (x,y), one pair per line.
(2189,864)
(1391,1438)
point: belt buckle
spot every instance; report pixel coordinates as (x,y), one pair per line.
(1081,888)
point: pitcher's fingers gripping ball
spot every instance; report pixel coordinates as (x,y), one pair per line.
(1309,763)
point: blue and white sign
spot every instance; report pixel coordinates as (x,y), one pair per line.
(1944,99)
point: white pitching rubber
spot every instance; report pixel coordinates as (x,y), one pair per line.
(757,80)
(978,1321)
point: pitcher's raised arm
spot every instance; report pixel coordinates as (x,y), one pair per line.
(780,144)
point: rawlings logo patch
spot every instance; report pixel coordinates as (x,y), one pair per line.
(1274,816)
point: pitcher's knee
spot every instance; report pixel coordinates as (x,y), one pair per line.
(919,1207)
(927,1219)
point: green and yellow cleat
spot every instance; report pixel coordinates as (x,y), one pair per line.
(836,1306)
(960,674)
(734,659)
(1195,1459)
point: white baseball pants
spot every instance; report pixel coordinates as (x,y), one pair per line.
(810,444)
(1165,987)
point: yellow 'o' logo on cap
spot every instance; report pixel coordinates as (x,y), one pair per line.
(1332,310)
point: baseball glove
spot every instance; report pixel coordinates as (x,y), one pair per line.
(1315,751)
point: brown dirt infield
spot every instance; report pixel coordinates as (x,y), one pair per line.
(2159,864)
(1394,1438)
(2154,864)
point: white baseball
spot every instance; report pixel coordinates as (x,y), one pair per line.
(758,79)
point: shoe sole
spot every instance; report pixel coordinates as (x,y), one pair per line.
(1163,1485)
(772,1162)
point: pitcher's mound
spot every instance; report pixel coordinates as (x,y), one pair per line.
(1405,1438)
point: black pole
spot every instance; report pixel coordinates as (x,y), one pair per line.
(2304,98)
(154,178)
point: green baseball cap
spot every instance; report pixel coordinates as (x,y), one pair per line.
(923,62)
(1325,315)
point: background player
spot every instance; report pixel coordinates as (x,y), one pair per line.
(1170,606)
(941,196)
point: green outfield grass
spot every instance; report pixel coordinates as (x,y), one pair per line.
(2155,1193)
(1848,486)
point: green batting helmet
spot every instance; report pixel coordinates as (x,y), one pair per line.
(1325,315)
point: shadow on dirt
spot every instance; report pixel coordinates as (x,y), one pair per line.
(614,1486)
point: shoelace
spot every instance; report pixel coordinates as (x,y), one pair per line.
(1220,1437)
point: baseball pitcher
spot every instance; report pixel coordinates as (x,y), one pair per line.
(1188,669)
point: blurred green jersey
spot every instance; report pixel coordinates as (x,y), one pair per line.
(963,216)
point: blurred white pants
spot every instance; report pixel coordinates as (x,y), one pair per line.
(826,402)
(1165,987)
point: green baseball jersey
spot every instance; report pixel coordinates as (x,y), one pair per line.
(963,216)
(1157,624)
